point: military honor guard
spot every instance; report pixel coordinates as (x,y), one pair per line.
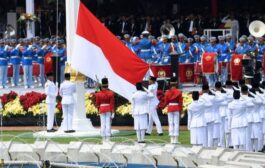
(51,91)
(27,64)
(153,102)
(60,51)
(209,112)
(196,121)
(67,90)
(140,111)
(105,105)
(173,101)
(237,121)
(15,62)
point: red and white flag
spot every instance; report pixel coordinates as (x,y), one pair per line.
(97,52)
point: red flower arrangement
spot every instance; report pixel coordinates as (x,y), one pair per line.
(30,99)
(8,97)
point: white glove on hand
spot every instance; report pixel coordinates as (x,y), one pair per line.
(112,115)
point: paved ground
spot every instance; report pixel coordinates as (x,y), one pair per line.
(36,128)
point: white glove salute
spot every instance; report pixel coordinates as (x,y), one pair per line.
(112,115)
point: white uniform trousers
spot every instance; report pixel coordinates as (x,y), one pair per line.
(50,115)
(238,136)
(249,146)
(263,131)
(222,133)
(140,122)
(173,123)
(105,122)
(256,136)
(153,117)
(68,110)
(216,134)
(198,136)
(210,126)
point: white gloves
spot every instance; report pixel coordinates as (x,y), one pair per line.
(112,115)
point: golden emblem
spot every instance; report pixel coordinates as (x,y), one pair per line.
(236,61)
(161,73)
(208,58)
(189,73)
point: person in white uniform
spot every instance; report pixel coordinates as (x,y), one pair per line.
(139,102)
(262,112)
(221,98)
(153,102)
(209,111)
(197,122)
(51,91)
(237,121)
(67,90)
(229,97)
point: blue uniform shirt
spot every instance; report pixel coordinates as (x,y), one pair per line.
(223,50)
(3,57)
(261,50)
(145,48)
(14,56)
(242,49)
(61,52)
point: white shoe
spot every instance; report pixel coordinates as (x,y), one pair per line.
(26,87)
(32,87)
(1,87)
(13,85)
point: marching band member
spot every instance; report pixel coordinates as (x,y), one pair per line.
(224,58)
(164,51)
(51,91)
(242,47)
(27,63)
(209,113)
(105,104)
(196,121)
(3,65)
(181,47)
(237,121)
(230,43)
(67,90)
(15,61)
(153,102)
(145,47)
(211,78)
(139,111)
(173,101)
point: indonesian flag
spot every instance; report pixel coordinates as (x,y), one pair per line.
(97,53)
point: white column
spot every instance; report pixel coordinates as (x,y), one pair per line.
(30,25)
(80,122)
(71,20)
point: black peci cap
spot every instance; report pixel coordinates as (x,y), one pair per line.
(218,84)
(236,94)
(244,88)
(104,81)
(195,95)
(228,83)
(67,75)
(139,86)
(152,78)
(205,87)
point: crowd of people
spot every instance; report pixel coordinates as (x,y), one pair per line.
(26,53)
(229,116)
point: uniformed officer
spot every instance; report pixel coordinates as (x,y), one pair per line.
(190,51)
(15,61)
(105,104)
(153,102)
(27,63)
(145,47)
(181,47)
(139,102)
(67,90)
(3,65)
(39,53)
(173,101)
(51,91)
(242,47)
(230,43)
(197,51)
(60,51)
(224,58)
(237,121)
(209,112)
(196,121)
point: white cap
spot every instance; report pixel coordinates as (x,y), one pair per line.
(145,32)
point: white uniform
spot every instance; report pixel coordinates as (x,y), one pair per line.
(237,123)
(197,123)
(221,100)
(249,117)
(209,112)
(67,90)
(256,132)
(262,113)
(153,116)
(139,112)
(229,98)
(51,92)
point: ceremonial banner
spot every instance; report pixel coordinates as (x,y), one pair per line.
(186,72)
(208,63)
(48,63)
(236,68)
(97,53)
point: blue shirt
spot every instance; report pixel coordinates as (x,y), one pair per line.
(61,53)
(14,56)
(145,48)
(223,50)
(27,55)
(3,57)
(261,50)
(242,49)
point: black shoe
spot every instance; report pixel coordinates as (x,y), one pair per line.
(141,142)
(161,134)
(71,131)
(51,130)
(147,134)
